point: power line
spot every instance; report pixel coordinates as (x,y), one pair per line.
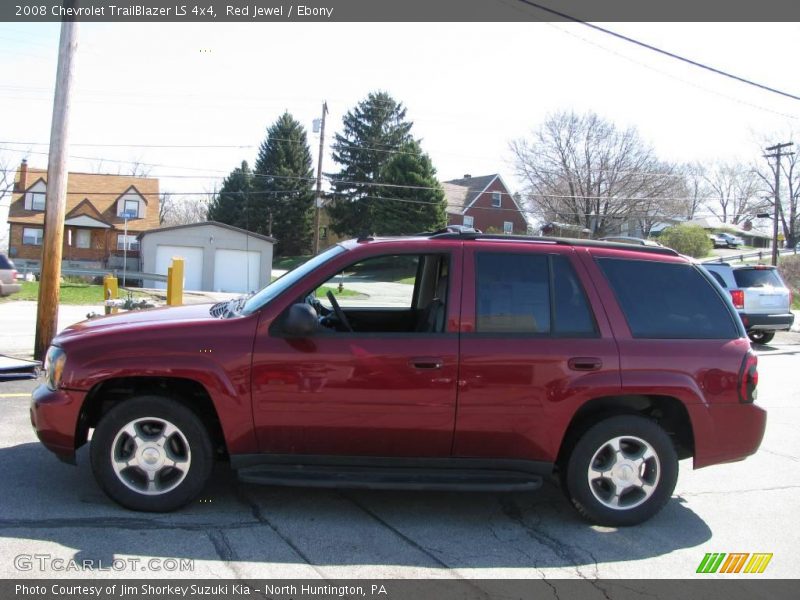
(647,46)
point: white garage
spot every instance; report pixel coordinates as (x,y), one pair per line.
(217,257)
(192,265)
(236,270)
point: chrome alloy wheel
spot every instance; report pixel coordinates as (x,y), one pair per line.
(624,472)
(151,456)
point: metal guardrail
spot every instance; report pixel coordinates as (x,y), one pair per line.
(101,272)
(759,254)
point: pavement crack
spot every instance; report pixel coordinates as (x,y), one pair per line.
(733,492)
(259,516)
(117,523)
(224,550)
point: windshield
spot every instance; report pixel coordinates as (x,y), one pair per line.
(289,279)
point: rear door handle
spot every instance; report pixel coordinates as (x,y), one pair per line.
(585,363)
(426,362)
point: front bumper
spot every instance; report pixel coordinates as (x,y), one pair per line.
(726,432)
(767,322)
(54,416)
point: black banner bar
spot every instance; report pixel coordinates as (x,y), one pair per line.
(164,11)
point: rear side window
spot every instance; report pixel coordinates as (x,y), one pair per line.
(530,294)
(747,278)
(668,300)
(5,263)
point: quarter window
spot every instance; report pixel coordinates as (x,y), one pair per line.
(668,300)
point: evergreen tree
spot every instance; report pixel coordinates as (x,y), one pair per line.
(373,130)
(284,187)
(419,207)
(232,204)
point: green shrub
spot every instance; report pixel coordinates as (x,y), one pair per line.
(691,240)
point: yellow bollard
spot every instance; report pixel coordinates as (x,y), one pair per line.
(175,282)
(110,292)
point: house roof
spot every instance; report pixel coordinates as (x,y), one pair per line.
(101,191)
(462,193)
(205,223)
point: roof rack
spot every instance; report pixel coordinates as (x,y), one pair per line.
(467,233)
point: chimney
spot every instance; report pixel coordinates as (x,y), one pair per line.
(467,175)
(23,176)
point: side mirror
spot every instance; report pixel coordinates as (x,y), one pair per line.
(301,321)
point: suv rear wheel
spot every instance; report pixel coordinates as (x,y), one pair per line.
(151,453)
(760,337)
(621,471)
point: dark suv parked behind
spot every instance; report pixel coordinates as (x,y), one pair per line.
(451,360)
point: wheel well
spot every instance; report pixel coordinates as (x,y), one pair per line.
(103,396)
(668,412)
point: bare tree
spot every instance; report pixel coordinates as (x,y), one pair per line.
(733,191)
(695,189)
(175,210)
(789,214)
(583,171)
(6,189)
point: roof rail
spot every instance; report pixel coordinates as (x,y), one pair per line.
(471,234)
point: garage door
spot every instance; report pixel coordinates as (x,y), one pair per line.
(192,265)
(236,270)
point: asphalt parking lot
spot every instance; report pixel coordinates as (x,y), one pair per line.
(55,511)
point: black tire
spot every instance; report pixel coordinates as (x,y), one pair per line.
(155,445)
(760,337)
(657,474)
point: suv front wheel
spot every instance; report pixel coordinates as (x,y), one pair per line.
(151,453)
(621,471)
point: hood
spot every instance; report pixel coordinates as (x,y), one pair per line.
(136,319)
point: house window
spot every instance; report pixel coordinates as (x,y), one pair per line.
(37,200)
(508,227)
(32,236)
(496,199)
(83,238)
(127,240)
(468,221)
(131,209)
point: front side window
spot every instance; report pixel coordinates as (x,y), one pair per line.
(381,282)
(32,236)
(663,300)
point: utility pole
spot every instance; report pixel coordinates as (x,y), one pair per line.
(777,154)
(318,200)
(56,197)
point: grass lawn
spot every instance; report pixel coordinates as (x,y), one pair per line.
(71,293)
(289,262)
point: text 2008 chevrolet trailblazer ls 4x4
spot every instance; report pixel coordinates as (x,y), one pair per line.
(474,362)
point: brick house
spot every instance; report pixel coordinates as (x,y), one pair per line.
(484,203)
(98,206)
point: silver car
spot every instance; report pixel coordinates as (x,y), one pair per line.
(8,277)
(759,295)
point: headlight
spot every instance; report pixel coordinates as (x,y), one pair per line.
(54,366)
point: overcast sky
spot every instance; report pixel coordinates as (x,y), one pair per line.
(469,88)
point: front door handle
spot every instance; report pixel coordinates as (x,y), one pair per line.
(585,363)
(426,362)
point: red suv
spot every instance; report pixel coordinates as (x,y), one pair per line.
(450,360)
